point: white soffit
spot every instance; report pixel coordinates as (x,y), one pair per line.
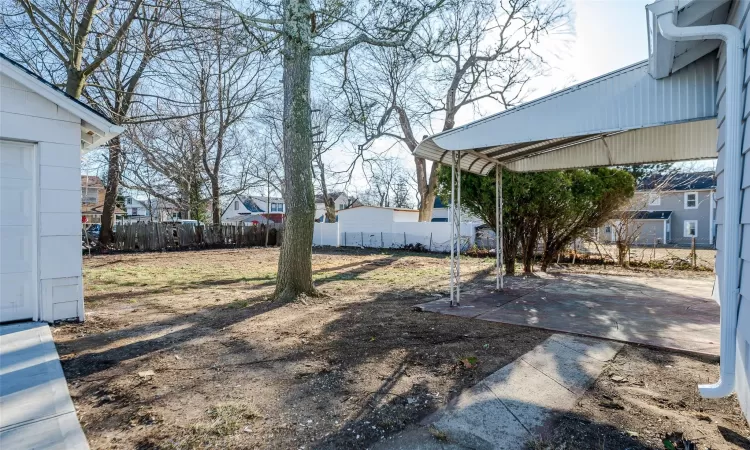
(670,56)
(624,100)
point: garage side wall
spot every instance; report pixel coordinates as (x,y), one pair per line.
(26,116)
(739,18)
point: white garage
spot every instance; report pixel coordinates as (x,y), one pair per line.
(42,135)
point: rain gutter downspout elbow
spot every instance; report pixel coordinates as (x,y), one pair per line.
(729,286)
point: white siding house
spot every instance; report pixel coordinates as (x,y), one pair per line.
(42,133)
(135,209)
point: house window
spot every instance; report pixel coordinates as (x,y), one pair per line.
(341,206)
(277,207)
(607,229)
(236,205)
(691,228)
(654,199)
(133,211)
(90,197)
(129,201)
(691,200)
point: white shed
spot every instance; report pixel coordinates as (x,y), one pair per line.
(42,134)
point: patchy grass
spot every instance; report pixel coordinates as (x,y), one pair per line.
(342,371)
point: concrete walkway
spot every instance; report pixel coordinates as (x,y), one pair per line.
(510,407)
(36,411)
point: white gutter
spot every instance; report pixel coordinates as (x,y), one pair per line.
(666,18)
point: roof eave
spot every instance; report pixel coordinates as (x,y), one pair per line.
(95,129)
(663,57)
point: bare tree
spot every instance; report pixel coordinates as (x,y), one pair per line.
(114,88)
(388,184)
(327,134)
(305,33)
(470,52)
(68,40)
(165,160)
(229,81)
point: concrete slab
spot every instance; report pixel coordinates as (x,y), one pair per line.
(675,314)
(510,407)
(35,406)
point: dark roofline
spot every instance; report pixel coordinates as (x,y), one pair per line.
(68,97)
(682,181)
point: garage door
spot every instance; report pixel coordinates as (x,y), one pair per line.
(17,214)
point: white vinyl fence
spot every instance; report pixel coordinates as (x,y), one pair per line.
(418,236)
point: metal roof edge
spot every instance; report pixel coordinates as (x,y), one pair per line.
(548,97)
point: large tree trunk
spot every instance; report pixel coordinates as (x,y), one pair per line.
(295,263)
(427,188)
(110,192)
(529,239)
(510,250)
(75,83)
(215,206)
(330,210)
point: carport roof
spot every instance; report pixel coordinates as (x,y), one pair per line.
(623,117)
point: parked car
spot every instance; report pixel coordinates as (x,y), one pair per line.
(93,232)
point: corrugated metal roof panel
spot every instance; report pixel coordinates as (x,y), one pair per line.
(575,118)
(690,140)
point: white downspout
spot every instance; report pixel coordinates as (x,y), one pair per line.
(729,288)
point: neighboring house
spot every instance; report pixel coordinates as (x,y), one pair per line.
(42,134)
(340,201)
(668,209)
(135,209)
(92,200)
(440,212)
(254,209)
(163,211)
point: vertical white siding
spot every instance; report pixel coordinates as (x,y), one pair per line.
(738,17)
(26,116)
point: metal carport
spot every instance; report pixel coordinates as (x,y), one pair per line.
(659,110)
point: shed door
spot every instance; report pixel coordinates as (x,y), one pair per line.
(17,231)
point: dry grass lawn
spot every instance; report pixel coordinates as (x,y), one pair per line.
(185,350)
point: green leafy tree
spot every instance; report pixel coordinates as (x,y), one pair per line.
(554,207)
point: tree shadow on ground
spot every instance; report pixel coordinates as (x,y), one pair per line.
(152,337)
(407,363)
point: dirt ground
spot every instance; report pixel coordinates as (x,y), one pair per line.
(644,397)
(185,350)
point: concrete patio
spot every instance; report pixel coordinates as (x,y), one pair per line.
(675,314)
(37,412)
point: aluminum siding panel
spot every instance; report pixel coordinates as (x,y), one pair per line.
(738,18)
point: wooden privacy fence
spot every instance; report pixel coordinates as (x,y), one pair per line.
(154,236)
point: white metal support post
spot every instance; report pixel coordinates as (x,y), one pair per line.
(458,232)
(453,228)
(455,221)
(499,282)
